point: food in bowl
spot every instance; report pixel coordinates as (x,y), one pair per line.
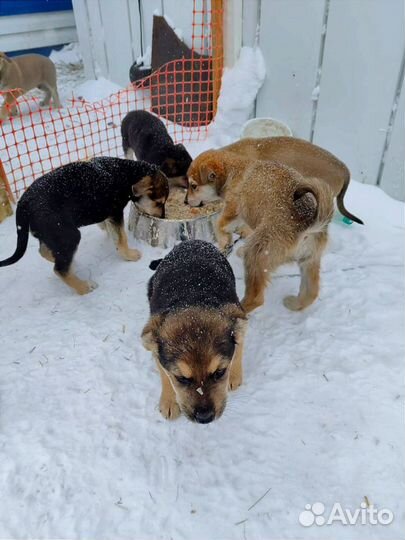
(176,209)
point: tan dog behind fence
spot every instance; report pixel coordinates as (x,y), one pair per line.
(23,73)
(284,215)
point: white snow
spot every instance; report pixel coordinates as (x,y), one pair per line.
(96,90)
(84,452)
(238,92)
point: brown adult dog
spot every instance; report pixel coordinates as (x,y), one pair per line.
(308,159)
(23,73)
(287,216)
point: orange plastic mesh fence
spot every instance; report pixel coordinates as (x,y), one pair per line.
(182,92)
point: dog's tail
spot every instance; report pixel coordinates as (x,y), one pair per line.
(23,227)
(313,203)
(154,264)
(340,203)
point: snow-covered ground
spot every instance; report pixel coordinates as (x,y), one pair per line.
(85,454)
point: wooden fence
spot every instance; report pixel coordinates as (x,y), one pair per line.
(335,68)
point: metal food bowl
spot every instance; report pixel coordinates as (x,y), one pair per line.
(166,233)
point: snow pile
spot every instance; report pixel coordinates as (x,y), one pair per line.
(95,90)
(69,54)
(239,89)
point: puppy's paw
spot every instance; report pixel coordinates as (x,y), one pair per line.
(235,380)
(86,287)
(132,255)
(240,252)
(168,408)
(226,250)
(293,303)
(250,305)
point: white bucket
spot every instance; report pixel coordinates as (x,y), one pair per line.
(265,127)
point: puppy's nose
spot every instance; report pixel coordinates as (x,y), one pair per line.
(204,415)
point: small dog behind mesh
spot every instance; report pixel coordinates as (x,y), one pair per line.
(84,193)
(195,331)
(23,73)
(146,135)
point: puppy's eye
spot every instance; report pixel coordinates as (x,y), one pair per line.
(212,176)
(184,380)
(218,374)
(193,186)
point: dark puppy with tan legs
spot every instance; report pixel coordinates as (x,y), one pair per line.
(195,331)
(146,135)
(83,193)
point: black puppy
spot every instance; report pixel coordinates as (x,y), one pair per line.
(83,193)
(195,331)
(145,135)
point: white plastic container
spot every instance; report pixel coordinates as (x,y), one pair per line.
(265,127)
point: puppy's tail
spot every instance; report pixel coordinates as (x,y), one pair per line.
(341,205)
(154,264)
(23,227)
(313,203)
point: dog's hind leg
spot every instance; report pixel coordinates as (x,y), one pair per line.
(115,226)
(55,98)
(310,276)
(63,246)
(48,95)
(45,252)
(261,258)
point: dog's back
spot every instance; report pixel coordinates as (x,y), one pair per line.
(194,273)
(35,70)
(146,135)
(282,202)
(309,160)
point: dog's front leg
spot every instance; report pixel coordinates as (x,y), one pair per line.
(236,372)
(222,230)
(115,226)
(168,406)
(8,106)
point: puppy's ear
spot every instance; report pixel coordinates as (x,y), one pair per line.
(149,334)
(160,185)
(211,175)
(143,187)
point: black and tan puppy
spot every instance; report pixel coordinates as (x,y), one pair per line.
(145,135)
(195,331)
(83,193)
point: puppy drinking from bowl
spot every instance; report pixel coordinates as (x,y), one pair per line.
(23,73)
(146,136)
(84,193)
(284,215)
(195,331)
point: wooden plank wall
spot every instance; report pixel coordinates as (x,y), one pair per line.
(333,68)
(333,71)
(116,33)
